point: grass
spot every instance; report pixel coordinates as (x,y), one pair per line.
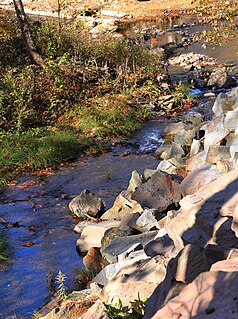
(4,247)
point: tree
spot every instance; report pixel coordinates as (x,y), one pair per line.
(220,15)
(33,53)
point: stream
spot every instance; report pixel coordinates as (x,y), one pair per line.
(42,239)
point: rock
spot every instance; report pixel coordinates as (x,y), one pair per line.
(234,95)
(212,294)
(195,147)
(184,137)
(161,149)
(107,273)
(114,232)
(199,178)
(147,221)
(230,123)
(204,216)
(188,264)
(97,311)
(215,132)
(160,246)
(141,278)
(218,153)
(122,207)
(119,245)
(135,181)
(86,204)
(218,78)
(194,118)
(76,304)
(222,104)
(174,128)
(166,166)
(159,192)
(93,233)
(197,161)
(175,150)
(104,27)
(226,265)
(94,261)
(148,173)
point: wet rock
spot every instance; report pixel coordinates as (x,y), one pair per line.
(94,261)
(222,104)
(161,149)
(119,245)
(86,204)
(159,192)
(217,297)
(199,178)
(122,207)
(93,233)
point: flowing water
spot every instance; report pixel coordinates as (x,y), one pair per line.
(42,241)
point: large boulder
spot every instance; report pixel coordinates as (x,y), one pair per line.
(86,204)
(205,217)
(223,104)
(159,192)
(212,295)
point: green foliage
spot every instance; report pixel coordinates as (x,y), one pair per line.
(61,289)
(181,95)
(84,276)
(220,16)
(134,311)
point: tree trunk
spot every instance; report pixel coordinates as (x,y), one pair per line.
(33,54)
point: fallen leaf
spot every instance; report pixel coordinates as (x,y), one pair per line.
(28,244)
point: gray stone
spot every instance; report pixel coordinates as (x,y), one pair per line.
(194,118)
(218,78)
(166,166)
(159,192)
(222,104)
(197,161)
(148,173)
(160,246)
(195,147)
(174,128)
(215,132)
(135,181)
(119,245)
(147,220)
(231,121)
(86,204)
(184,137)
(175,150)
